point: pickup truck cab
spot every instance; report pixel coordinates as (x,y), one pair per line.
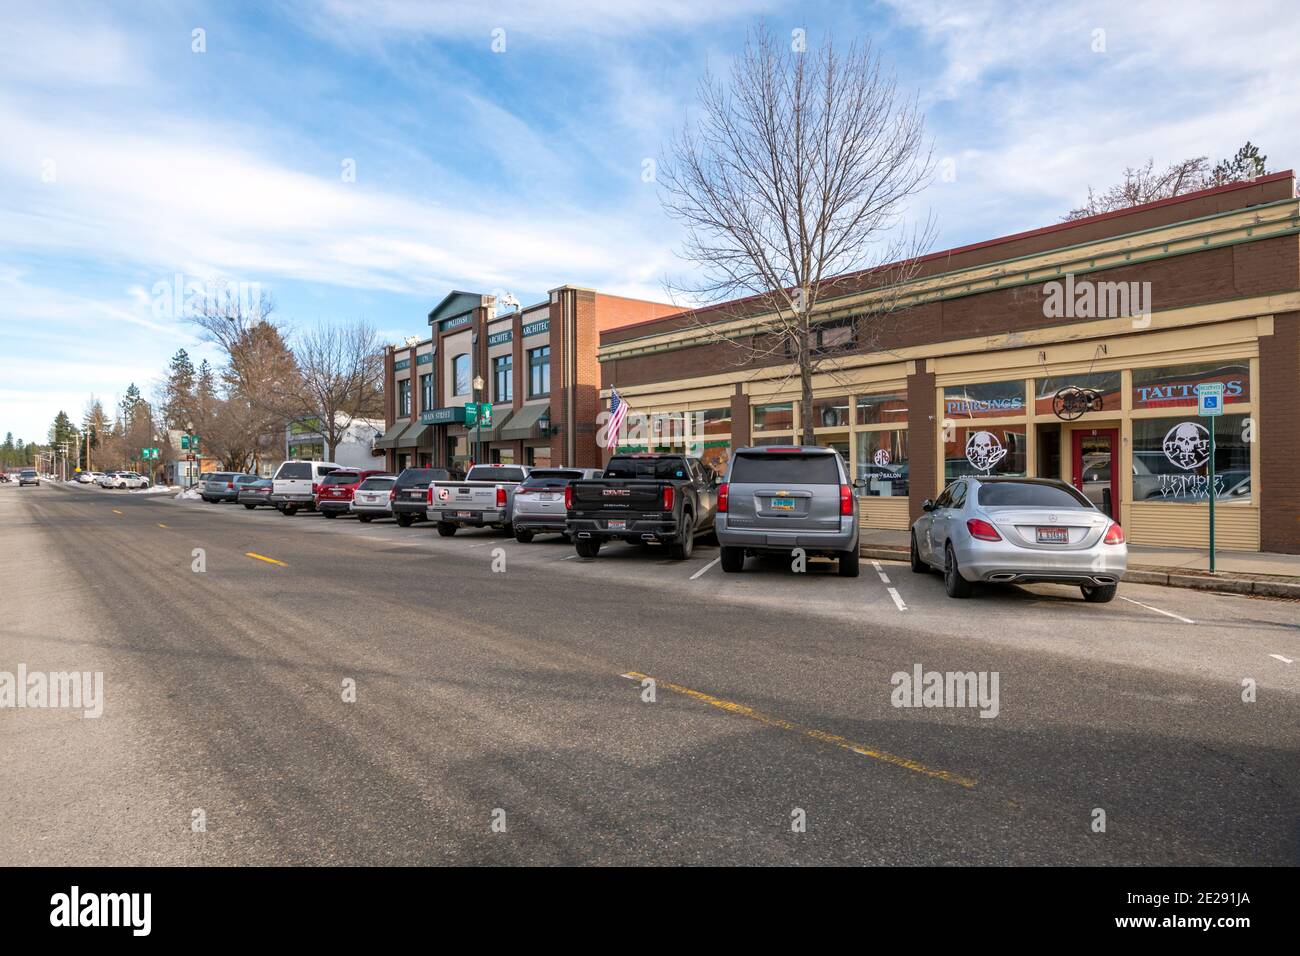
(482,500)
(650,498)
(296,484)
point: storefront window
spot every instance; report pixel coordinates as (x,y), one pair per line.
(426,392)
(989,400)
(713,421)
(404,397)
(460,375)
(882,409)
(1171,459)
(831,412)
(770,417)
(773,440)
(503,374)
(715,455)
(539,372)
(1105,384)
(1174,386)
(993,451)
(883,462)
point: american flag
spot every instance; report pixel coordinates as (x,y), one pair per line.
(617,412)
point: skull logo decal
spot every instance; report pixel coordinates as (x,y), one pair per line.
(1187,445)
(983,450)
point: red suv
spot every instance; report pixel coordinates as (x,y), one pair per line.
(335,491)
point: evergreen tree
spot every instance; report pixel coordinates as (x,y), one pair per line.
(178,392)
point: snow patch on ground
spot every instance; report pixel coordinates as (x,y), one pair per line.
(189,494)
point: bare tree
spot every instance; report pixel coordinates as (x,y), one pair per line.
(791,187)
(340,378)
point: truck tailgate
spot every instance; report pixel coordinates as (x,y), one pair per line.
(615,496)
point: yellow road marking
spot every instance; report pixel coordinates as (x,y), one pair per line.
(161,525)
(821,735)
(262,557)
(116,512)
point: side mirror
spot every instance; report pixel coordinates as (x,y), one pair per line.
(860,482)
(927,505)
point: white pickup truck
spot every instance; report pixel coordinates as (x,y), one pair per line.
(483,500)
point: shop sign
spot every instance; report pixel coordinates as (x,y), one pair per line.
(500,338)
(1183,393)
(425,359)
(459,322)
(536,328)
(984,450)
(442,416)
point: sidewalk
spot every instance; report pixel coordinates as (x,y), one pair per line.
(1236,572)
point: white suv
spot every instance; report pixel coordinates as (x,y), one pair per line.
(296,484)
(124,479)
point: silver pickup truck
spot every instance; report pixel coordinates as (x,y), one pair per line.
(483,500)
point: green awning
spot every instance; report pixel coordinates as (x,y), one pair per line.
(524,421)
(493,433)
(389,438)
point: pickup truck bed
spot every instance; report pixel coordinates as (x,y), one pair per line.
(482,500)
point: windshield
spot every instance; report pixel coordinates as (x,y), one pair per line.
(495,473)
(782,468)
(421,476)
(658,469)
(341,478)
(294,469)
(1026,494)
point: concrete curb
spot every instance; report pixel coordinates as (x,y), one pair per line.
(1221,582)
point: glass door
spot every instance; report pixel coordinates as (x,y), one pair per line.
(1095,471)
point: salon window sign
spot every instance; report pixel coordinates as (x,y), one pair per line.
(1175,387)
(989,400)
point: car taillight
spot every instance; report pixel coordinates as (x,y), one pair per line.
(1114,534)
(568,497)
(392,494)
(979,528)
(668,498)
(230,484)
(501,497)
(722,498)
(846,500)
(429,495)
(315,488)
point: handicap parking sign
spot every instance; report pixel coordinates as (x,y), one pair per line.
(1209,398)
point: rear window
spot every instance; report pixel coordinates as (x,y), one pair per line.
(657,469)
(223,476)
(495,473)
(341,478)
(246,479)
(421,476)
(377,484)
(785,468)
(1027,494)
(294,469)
(551,479)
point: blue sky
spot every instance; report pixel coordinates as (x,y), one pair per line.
(127,159)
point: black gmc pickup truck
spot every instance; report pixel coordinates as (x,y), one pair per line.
(643,498)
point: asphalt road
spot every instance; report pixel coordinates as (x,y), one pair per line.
(491,692)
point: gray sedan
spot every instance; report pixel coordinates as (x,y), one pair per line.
(1018,530)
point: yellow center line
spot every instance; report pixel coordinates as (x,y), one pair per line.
(116,512)
(161,525)
(262,557)
(821,735)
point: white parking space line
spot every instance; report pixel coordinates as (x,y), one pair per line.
(1284,660)
(1176,617)
(702,571)
(898,601)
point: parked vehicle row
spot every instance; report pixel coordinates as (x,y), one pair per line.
(774,499)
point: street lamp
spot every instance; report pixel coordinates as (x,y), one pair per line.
(478,420)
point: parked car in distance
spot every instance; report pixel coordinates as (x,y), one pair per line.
(334,492)
(85,477)
(410,493)
(776,498)
(123,479)
(372,499)
(539,501)
(296,484)
(644,497)
(253,494)
(28,476)
(481,500)
(1018,530)
(105,479)
(223,486)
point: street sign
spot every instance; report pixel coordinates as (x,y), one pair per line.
(185,443)
(1209,398)
(1209,404)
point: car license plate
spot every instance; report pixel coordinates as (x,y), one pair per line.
(619,525)
(783,504)
(464,514)
(546,496)
(1053,535)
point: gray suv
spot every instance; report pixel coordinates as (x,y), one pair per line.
(780,497)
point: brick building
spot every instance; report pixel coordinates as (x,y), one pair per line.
(975,373)
(536,365)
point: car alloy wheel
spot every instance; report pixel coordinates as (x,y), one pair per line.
(918,566)
(954,583)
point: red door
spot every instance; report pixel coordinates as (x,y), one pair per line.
(1096,467)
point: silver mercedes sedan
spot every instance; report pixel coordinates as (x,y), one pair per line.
(1018,530)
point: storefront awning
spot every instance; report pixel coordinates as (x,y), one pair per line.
(523,422)
(493,433)
(389,438)
(414,435)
